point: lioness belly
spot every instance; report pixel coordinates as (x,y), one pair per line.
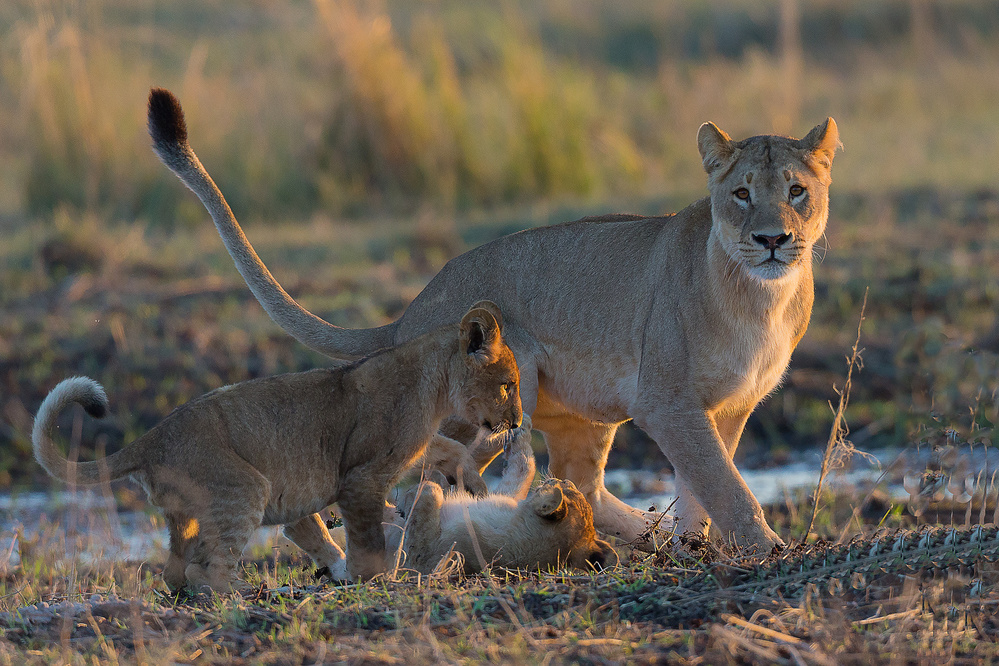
(601,388)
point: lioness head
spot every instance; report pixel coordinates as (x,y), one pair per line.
(489,393)
(769,195)
(565,521)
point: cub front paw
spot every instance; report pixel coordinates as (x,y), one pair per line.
(518,440)
(334,573)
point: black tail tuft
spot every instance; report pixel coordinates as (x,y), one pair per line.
(95,408)
(166,118)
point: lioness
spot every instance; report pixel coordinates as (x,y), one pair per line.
(681,322)
(511,527)
(277,450)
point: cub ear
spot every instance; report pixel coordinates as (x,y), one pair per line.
(549,502)
(822,143)
(715,146)
(479,334)
(493,309)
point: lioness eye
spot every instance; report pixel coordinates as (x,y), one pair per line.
(797,190)
(504,389)
(742,193)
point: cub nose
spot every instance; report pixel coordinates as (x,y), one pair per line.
(771,242)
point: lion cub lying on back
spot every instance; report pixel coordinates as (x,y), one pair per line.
(277,450)
(511,527)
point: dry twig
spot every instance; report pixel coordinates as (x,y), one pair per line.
(839,428)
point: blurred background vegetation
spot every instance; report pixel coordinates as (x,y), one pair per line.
(377,139)
(354,108)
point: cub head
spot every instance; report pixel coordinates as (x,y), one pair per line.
(769,195)
(565,522)
(488,392)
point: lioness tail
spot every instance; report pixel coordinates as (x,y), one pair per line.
(169,133)
(91,396)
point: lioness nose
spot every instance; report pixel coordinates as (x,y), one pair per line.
(771,242)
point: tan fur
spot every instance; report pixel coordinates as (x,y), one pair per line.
(676,321)
(277,450)
(461,465)
(512,527)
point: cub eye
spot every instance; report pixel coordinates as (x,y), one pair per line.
(504,389)
(797,190)
(742,193)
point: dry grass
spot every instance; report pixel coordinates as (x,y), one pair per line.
(58,606)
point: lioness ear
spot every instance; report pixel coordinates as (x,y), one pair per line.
(493,309)
(822,143)
(479,335)
(715,146)
(549,502)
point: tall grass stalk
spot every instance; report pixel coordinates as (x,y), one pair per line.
(839,429)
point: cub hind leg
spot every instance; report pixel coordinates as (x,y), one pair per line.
(230,505)
(183,537)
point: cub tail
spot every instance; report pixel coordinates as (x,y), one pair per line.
(91,396)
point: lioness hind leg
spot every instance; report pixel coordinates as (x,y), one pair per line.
(310,534)
(578,450)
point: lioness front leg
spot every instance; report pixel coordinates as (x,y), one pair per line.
(690,515)
(693,445)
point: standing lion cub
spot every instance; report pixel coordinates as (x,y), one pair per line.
(277,450)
